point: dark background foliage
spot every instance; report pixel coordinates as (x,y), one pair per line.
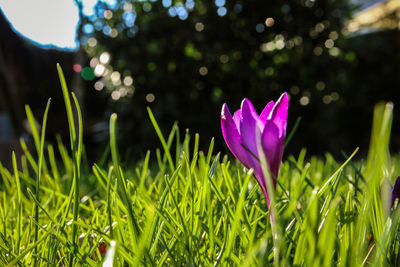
(193,62)
(187,58)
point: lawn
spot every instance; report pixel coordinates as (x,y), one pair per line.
(185,205)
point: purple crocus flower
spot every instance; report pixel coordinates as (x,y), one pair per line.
(396,191)
(240,134)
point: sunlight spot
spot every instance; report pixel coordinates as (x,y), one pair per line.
(113,33)
(335,96)
(115,76)
(92,42)
(333,35)
(146,7)
(319,27)
(304,100)
(128,7)
(320,85)
(87,73)
(219,3)
(88,28)
(93,62)
(326,99)
(129,18)
(108,14)
(294,89)
(115,95)
(99,70)
(166,3)
(99,85)
(203,71)
(280,44)
(260,28)
(199,26)
(238,8)
(221,11)
(128,80)
(269,22)
(116,82)
(77,68)
(318,50)
(269,71)
(334,51)
(150,97)
(190,4)
(104,57)
(329,43)
(224,58)
(279,37)
(270,46)
(130,91)
(123,92)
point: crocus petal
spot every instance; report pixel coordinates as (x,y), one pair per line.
(266,111)
(279,114)
(233,140)
(245,130)
(272,146)
(236,118)
(248,127)
(259,175)
(396,190)
(232,137)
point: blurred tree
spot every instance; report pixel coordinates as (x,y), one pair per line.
(28,76)
(185,58)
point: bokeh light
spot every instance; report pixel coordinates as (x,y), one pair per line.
(269,22)
(199,26)
(99,70)
(104,57)
(166,3)
(150,97)
(108,14)
(203,71)
(99,85)
(87,73)
(221,11)
(329,43)
(304,100)
(294,90)
(77,67)
(318,50)
(320,85)
(260,27)
(115,95)
(92,42)
(93,62)
(128,81)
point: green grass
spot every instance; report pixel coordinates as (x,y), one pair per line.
(182,205)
